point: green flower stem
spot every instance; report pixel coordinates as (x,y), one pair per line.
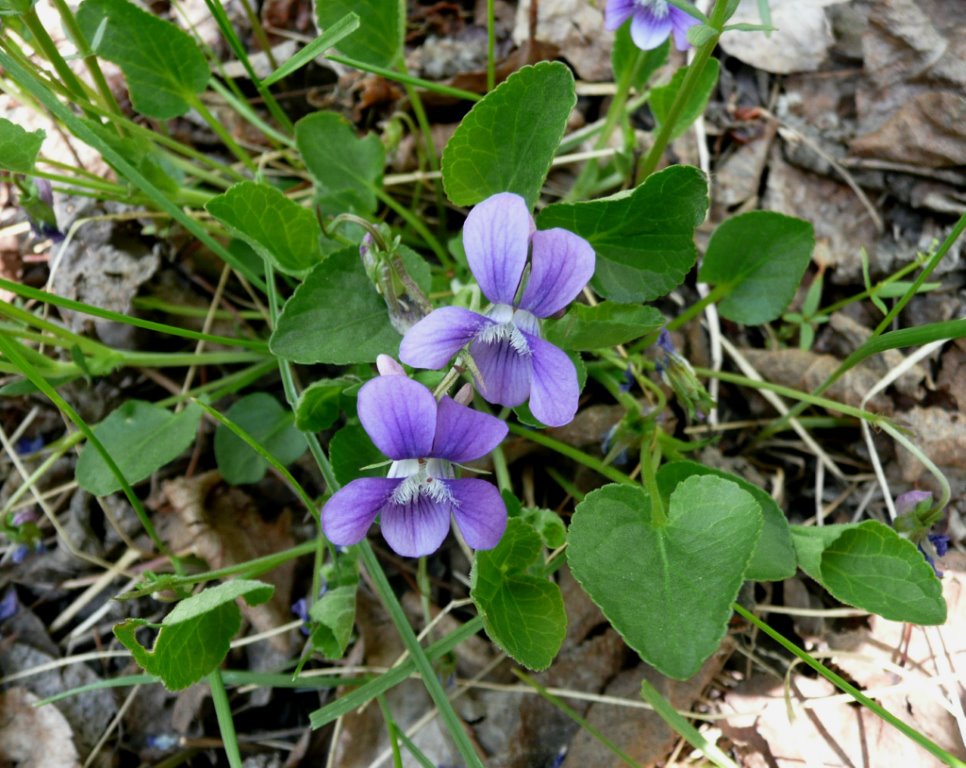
(591,462)
(11,351)
(105,314)
(875,419)
(67,337)
(616,110)
(250,569)
(693,76)
(90,60)
(854,692)
(423,665)
(96,184)
(870,346)
(228,31)
(650,461)
(225,723)
(501,469)
(407,79)
(916,451)
(418,226)
(201,108)
(49,49)
(714,296)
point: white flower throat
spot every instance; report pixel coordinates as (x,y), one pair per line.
(658,7)
(509,326)
(422,478)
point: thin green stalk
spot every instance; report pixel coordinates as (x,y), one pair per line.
(90,60)
(228,31)
(618,105)
(250,569)
(79,128)
(201,108)
(423,665)
(696,68)
(650,460)
(584,724)
(15,356)
(393,731)
(243,108)
(854,692)
(225,723)
(869,347)
(97,185)
(49,49)
(171,330)
(418,226)
(400,77)
(714,296)
(501,470)
(591,462)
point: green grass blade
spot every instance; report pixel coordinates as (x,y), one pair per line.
(332,36)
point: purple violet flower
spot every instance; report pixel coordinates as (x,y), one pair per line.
(423,438)
(910,500)
(651,22)
(515,363)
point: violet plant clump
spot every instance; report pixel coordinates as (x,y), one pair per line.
(527,275)
(424,439)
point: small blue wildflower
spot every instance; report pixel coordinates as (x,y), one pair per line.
(652,22)
(301,609)
(514,362)
(414,503)
(27,445)
(8,604)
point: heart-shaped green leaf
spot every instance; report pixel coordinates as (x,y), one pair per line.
(759,257)
(644,239)
(164,67)
(347,169)
(507,141)
(774,557)
(379,38)
(523,613)
(270,425)
(281,231)
(870,566)
(605,325)
(18,147)
(667,589)
(141,438)
(195,636)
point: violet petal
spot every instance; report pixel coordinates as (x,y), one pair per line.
(681,22)
(648,30)
(417,528)
(505,372)
(399,414)
(553,388)
(479,511)
(435,339)
(463,434)
(348,514)
(496,238)
(561,265)
(616,12)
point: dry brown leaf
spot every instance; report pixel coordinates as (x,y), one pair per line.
(576,27)
(221,525)
(34,736)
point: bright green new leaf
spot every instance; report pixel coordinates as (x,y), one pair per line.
(335,316)
(280,230)
(347,169)
(334,615)
(547,523)
(759,257)
(662,98)
(269,424)
(18,148)
(507,141)
(354,455)
(872,567)
(141,438)
(319,404)
(626,56)
(774,558)
(605,325)
(644,239)
(164,67)
(194,638)
(380,36)
(667,589)
(522,613)
(332,36)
